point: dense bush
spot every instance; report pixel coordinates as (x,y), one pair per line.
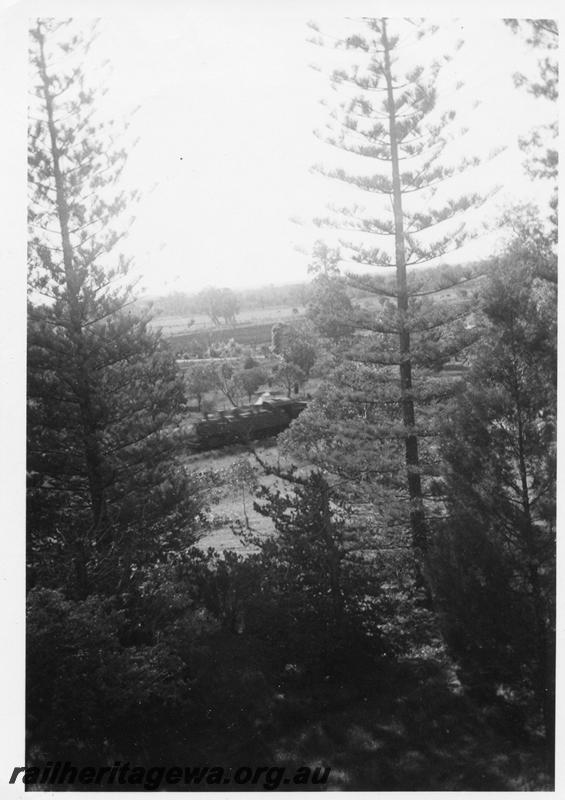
(89,696)
(104,685)
(197,656)
(494,559)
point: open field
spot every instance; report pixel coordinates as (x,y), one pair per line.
(230,477)
(175,325)
(249,335)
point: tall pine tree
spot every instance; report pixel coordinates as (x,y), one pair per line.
(395,141)
(105,495)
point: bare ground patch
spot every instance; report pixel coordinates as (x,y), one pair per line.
(230,477)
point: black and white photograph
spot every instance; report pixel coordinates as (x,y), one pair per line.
(289,368)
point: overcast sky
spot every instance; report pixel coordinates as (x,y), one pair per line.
(227,107)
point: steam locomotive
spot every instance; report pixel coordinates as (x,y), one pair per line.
(244,423)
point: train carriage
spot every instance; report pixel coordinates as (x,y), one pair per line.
(245,423)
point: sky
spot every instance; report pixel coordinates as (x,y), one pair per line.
(227,106)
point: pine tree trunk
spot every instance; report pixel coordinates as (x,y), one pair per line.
(417,517)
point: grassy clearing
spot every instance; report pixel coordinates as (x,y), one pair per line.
(174,325)
(252,335)
(230,477)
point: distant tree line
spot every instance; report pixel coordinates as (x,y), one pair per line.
(224,304)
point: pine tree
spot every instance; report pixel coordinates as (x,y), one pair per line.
(328,594)
(500,485)
(386,401)
(105,496)
(541,34)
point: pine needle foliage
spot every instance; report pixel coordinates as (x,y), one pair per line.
(381,407)
(104,494)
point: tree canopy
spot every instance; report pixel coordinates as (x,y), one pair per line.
(389,124)
(104,493)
